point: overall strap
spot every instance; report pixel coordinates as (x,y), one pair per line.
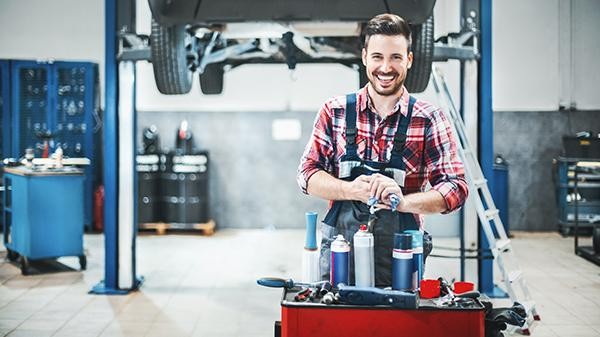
(400,137)
(351,130)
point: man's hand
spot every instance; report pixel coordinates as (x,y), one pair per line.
(359,189)
(381,187)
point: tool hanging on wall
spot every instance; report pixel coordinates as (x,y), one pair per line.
(489,216)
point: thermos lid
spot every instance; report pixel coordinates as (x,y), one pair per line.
(402,241)
(417,237)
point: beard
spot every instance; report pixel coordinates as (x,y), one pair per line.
(389,89)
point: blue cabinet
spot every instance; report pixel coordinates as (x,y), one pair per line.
(4,109)
(43,214)
(588,195)
(56,104)
(4,117)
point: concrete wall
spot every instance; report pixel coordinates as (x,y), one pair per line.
(252,177)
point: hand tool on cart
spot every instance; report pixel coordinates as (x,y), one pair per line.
(450,299)
(276,282)
(376,296)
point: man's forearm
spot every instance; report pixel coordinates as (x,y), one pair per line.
(324,185)
(428,202)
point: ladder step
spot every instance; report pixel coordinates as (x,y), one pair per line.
(491,213)
(514,276)
(502,244)
(479,182)
(529,308)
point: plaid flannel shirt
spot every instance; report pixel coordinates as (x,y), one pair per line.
(430,150)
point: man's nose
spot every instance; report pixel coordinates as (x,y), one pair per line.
(386,66)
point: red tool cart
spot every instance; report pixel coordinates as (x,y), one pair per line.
(307,319)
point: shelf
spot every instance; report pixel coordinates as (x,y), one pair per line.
(580,185)
(588,203)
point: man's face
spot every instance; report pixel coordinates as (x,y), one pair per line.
(387,61)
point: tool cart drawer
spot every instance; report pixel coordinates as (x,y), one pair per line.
(305,319)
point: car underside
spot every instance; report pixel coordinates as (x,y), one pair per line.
(211,37)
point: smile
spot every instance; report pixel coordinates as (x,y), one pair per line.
(385,78)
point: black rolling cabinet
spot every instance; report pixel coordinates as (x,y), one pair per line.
(584,172)
(587,196)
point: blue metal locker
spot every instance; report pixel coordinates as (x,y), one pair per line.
(75,87)
(4,118)
(30,106)
(4,109)
(55,104)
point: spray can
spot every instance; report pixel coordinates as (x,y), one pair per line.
(340,261)
(402,262)
(310,256)
(417,246)
(364,258)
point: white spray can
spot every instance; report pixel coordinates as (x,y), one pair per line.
(364,258)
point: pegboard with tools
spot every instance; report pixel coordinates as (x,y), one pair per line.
(56,104)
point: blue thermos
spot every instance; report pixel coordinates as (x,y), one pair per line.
(402,262)
(417,246)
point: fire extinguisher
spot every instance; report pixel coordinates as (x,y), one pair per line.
(99,209)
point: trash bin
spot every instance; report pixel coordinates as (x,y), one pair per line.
(500,190)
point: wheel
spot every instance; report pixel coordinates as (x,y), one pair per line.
(172,58)
(211,80)
(24,264)
(596,239)
(12,255)
(422,47)
(83,262)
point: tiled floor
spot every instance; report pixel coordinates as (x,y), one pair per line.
(205,286)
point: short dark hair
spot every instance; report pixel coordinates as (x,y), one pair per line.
(387,24)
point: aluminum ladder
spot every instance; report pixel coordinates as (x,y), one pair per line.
(488,214)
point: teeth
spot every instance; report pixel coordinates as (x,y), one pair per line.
(385,78)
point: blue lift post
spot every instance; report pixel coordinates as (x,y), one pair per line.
(486,141)
(111,283)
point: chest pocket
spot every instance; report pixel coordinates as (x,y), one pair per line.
(413,154)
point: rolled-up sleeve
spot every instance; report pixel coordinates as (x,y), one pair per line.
(318,154)
(444,167)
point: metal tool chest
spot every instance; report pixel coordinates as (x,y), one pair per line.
(43,214)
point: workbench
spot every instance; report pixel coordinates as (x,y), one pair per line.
(308,319)
(43,214)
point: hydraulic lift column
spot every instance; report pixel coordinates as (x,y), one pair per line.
(120,225)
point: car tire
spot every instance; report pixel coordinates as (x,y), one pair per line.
(211,80)
(422,47)
(169,59)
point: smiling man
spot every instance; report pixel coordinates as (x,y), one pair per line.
(377,142)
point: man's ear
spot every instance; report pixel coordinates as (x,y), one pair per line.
(410,59)
(364,57)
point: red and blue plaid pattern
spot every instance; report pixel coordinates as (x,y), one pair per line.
(430,155)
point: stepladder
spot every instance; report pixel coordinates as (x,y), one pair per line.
(501,248)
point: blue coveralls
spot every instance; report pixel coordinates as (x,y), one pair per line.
(345,217)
